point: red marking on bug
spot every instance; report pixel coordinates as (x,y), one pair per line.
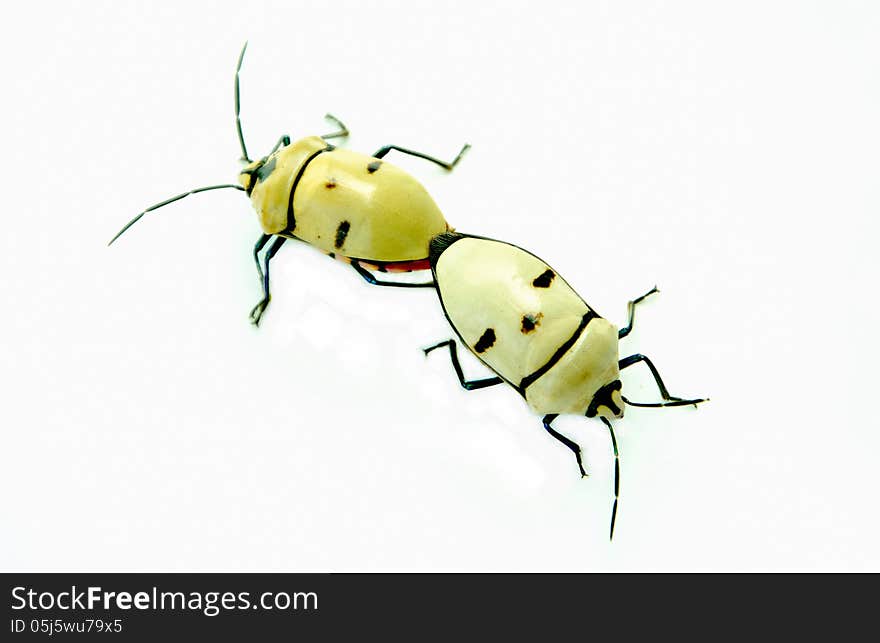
(388,266)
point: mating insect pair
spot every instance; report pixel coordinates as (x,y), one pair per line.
(511,310)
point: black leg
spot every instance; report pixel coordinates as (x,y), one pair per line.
(342,132)
(616,476)
(548,420)
(284,141)
(257,248)
(370,279)
(671,400)
(631,307)
(471,385)
(257,312)
(383,151)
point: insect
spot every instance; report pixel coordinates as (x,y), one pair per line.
(356,208)
(522,320)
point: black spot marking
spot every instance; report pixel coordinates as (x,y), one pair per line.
(375,165)
(263,172)
(330,184)
(544,279)
(333,255)
(486,341)
(530,322)
(341,233)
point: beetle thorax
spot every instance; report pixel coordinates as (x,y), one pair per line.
(270,181)
(583,380)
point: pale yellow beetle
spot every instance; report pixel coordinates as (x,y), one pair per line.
(523,321)
(356,208)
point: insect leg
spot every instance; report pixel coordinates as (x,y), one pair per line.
(671,400)
(631,308)
(259,246)
(384,150)
(371,279)
(548,420)
(616,475)
(257,312)
(342,132)
(469,385)
(284,141)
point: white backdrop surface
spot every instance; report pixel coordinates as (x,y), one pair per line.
(727,153)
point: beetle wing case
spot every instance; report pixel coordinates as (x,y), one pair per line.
(361,207)
(525,322)
(487,290)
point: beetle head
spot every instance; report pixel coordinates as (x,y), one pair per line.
(607,402)
(250,173)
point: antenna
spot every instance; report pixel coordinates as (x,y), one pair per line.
(171,200)
(244,154)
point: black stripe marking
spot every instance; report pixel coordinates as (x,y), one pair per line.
(486,341)
(375,165)
(528,380)
(291,219)
(341,233)
(544,279)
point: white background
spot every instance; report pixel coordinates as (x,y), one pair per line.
(727,152)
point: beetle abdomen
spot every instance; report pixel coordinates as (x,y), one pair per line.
(524,321)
